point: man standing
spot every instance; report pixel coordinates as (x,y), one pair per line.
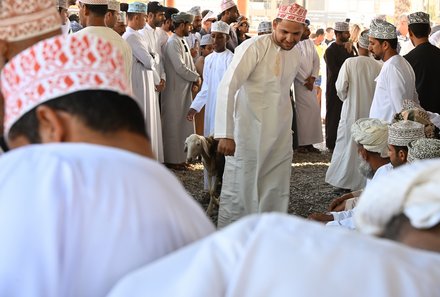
(182,79)
(329,35)
(145,75)
(193,39)
(91,16)
(355,87)
(308,111)
(166,29)
(425,61)
(229,14)
(121,23)
(334,56)
(405,45)
(396,80)
(253,120)
(111,17)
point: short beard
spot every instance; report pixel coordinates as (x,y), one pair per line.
(365,168)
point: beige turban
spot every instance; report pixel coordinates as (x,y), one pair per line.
(410,189)
(372,134)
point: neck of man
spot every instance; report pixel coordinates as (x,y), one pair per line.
(95,21)
(220,50)
(151,24)
(418,41)
(389,54)
(338,41)
(378,162)
(178,33)
(363,52)
(225,19)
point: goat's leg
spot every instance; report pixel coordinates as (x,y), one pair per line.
(211,198)
(214,189)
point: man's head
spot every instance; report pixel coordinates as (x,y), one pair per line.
(220,35)
(404,206)
(306,33)
(136,14)
(383,39)
(208,19)
(63,89)
(62,9)
(371,137)
(402,25)
(264,28)
(400,134)
(111,17)
(206,46)
(182,23)
(168,23)
(364,43)
(289,26)
(121,23)
(419,26)
(319,36)
(197,21)
(342,32)
(156,14)
(91,11)
(329,33)
(229,11)
(21,26)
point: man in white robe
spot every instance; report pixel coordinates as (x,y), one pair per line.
(164,32)
(404,206)
(155,18)
(145,76)
(396,81)
(355,87)
(253,120)
(308,111)
(91,17)
(182,78)
(193,39)
(278,255)
(88,204)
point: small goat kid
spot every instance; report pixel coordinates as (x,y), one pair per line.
(214,162)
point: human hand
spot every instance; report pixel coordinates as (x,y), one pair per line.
(190,115)
(321,217)
(349,46)
(226,146)
(338,204)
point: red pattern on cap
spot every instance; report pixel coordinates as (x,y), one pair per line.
(294,13)
(59,66)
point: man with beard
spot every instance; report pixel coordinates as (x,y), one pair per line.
(396,80)
(182,79)
(335,56)
(193,39)
(308,111)
(253,119)
(111,17)
(371,137)
(166,29)
(229,14)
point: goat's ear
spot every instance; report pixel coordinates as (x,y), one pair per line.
(205,145)
(185,148)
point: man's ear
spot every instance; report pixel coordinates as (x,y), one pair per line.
(50,125)
(402,155)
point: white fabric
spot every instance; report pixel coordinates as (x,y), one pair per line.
(221,27)
(145,76)
(110,35)
(254,109)
(345,218)
(75,218)
(308,111)
(372,134)
(162,38)
(177,98)
(434,39)
(278,255)
(395,83)
(411,189)
(193,40)
(355,87)
(213,71)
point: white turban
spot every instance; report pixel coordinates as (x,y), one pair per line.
(410,189)
(372,134)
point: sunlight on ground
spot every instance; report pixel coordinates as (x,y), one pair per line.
(303,164)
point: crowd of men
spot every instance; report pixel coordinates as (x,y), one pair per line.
(94,107)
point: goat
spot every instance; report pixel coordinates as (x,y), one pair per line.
(214,162)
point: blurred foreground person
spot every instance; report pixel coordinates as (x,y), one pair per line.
(278,255)
(85,204)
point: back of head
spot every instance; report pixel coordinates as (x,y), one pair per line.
(419,25)
(79,75)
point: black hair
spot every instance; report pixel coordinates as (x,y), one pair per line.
(420,30)
(393,42)
(124,6)
(101,111)
(74,17)
(170,11)
(319,32)
(98,10)
(398,148)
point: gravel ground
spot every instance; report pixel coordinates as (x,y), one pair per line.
(308,190)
